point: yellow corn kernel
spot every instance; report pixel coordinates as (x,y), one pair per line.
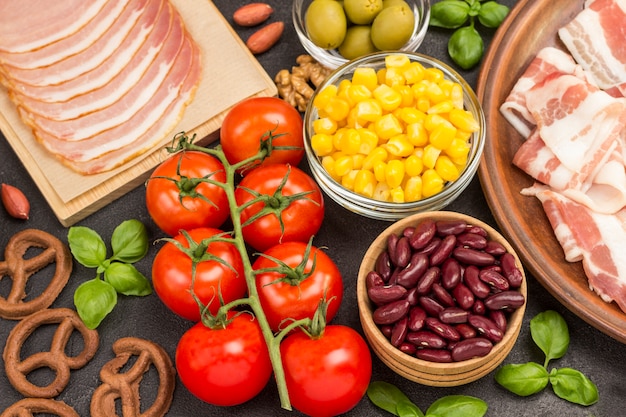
(365,183)
(358,92)
(343,87)
(377,154)
(351,142)
(422,103)
(397,61)
(413,165)
(357,161)
(434,120)
(381,192)
(365,76)
(322,144)
(394,173)
(405,91)
(413,189)
(380,169)
(322,98)
(457,149)
(369,141)
(396,195)
(456,95)
(411,115)
(462,134)
(446,168)
(460,161)
(414,72)
(381,75)
(348,180)
(388,98)
(337,108)
(387,126)
(430,156)
(464,120)
(434,74)
(443,107)
(442,136)
(394,77)
(325,125)
(343,165)
(432,183)
(368,110)
(338,138)
(435,93)
(328,162)
(416,134)
(399,145)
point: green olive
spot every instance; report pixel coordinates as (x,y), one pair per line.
(393,27)
(326,23)
(362,12)
(357,42)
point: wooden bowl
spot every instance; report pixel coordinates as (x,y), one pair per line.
(410,367)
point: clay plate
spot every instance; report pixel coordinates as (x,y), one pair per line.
(530,26)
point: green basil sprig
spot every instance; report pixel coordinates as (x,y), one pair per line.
(466,46)
(549,331)
(96,298)
(391,399)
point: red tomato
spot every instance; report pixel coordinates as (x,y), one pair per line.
(203,204)
(171,275)
(302,217)
(326,376)
(226,366)
(297,297)
(252,119)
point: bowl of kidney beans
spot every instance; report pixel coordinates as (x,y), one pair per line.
(441,298)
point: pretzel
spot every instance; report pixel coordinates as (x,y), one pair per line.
(35,406)
(19,269)
(125,386)
(55,359)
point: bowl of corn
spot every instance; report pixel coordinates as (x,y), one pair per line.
(394,133)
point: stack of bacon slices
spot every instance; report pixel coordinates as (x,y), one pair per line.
(101,81)
(571,110)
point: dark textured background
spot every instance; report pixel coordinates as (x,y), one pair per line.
(347,236)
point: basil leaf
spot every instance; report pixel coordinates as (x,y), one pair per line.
(457,405)
(466,47)
(127,280)
(408,409)
(129,241)
(387,396)
(523,379)
(87,246)
(94,299)
(549,331)
(492,14)
(573,386)
(449,14)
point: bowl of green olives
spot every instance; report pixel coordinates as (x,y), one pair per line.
(334,32)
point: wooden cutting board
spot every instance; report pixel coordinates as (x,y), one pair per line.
(230,74)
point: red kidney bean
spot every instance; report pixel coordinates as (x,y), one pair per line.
(494,279)
(383,265)
(426,339)
(465,330)
(473,257)
(373,279)
(431,247)
(425,283)
(382,295)
(450,273)
(430,305)
(414,271)
(386,330)
(479,308)
(464,296)
(412,296)
(444,330)
(477,229)
(499,318)
(390,313)
(442,295)
(471,240)
(453,315)
(417,318)
(402,253)
(399,331)
(408,348)
(434,355)
(474,283)
(494,267)
(451,227)
(408,231)
(443,251)
(495,248)
(423,234)
(510,270)
(505,300)
(475,347)
(486,327)
(392,243)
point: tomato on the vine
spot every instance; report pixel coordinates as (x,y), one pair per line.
(172,274)
(289,194)
(177,197)
(224,366)
(313,276)
(250,121)
(328,375)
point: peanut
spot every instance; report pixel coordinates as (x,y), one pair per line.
(252,14)
(15,202)
(264,38)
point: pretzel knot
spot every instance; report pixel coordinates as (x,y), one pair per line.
(55,359)
(20,269)
(125,386)
(36,406)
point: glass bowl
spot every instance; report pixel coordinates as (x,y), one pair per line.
(383,210)
(331,58)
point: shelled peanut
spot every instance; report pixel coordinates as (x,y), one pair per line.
(443,291)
